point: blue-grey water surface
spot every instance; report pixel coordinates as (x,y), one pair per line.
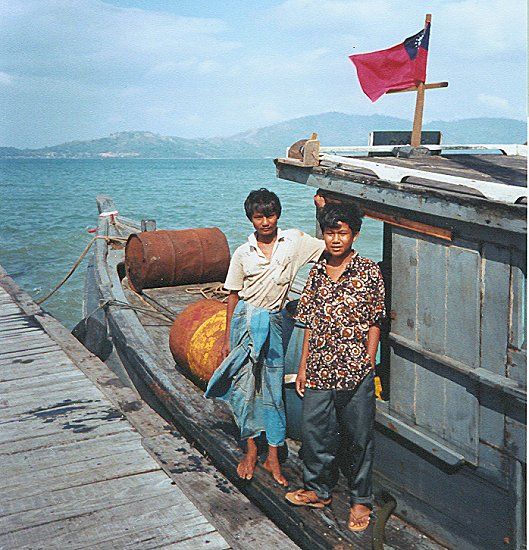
(49,204)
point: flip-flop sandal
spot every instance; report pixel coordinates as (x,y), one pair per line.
(354,522)
(302,497)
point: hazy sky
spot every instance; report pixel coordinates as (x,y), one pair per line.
(79,69)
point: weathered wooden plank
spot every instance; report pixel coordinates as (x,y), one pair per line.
(462,415)
(166,536)
(75,433)
(76,417)
(43,489)
(45,348)
(431,294)
(34,490)
(47,359)
(492,417)
(403,383)
(15,387)
(20,343)
(21,370)
(57,504)
(63,392)
(67,453)
(516,431)
(518,298)
(404,283)
(431,329)
(430,396)
(495,308)
(463,304)
(101,521)
(12,331)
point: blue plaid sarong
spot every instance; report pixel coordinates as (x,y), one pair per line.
(250,379)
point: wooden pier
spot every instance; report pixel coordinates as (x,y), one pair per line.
(78,450)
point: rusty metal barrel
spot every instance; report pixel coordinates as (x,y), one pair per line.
(196,339)
(169,258)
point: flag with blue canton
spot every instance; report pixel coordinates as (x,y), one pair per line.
(399,67)
(419,40)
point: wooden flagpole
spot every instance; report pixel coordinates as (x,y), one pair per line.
(419,105)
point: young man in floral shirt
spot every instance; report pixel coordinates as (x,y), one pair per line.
(341,306)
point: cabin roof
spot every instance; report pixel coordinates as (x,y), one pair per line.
(461,183)
(510,170)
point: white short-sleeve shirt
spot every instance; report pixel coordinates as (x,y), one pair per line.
(262,282)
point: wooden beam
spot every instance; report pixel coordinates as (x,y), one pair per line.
(417,117)
(398,221)
(432,86)
(425,229)
(419,105)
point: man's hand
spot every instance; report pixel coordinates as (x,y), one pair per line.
(301,381)
(319,201)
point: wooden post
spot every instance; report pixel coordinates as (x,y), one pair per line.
(417,118)
(419,105)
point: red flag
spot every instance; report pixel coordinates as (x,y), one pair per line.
(396,68)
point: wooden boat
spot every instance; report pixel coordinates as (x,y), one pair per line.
(451,430)
(130,332)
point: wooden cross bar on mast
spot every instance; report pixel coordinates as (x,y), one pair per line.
(419,103)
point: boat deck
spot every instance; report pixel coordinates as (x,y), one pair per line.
(76,472)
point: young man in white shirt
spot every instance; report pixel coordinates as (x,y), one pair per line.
(250,378)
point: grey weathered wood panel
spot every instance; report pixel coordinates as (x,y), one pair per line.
(495,307)
(517,334)
(404,282)
(462,415)
(430,396)
(403,302)
(431,294)
(403,383)
(463,304)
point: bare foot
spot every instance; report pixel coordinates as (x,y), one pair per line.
(271,464)
(246,466)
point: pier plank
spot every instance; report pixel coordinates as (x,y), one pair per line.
(100,521)
(67,454)
(65,503)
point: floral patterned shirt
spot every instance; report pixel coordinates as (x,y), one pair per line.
(339,315)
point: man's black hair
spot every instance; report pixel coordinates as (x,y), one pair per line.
(331,214)
(263,201)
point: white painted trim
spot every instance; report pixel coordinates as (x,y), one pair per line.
(508,149)
(492,190)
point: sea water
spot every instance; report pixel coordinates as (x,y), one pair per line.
(48,206)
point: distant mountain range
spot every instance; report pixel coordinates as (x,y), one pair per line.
(272,141)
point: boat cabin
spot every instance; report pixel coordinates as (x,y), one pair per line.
(451,423)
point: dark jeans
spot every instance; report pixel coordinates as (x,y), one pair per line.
(337,433)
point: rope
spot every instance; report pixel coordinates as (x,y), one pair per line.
(126,305)
(169,315)
(77,262)
(210,292)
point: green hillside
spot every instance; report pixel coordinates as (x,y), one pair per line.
(271,141)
